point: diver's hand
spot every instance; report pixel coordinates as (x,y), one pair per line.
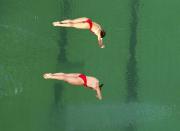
(102,46)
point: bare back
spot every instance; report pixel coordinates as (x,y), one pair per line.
(92,82)
(96,28)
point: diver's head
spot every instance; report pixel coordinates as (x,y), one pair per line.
(100,86)
(103,33)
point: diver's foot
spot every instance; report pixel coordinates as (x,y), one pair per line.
(56,23)
(47,75)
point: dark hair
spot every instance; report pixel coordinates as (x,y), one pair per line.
(103,33)
(101,85)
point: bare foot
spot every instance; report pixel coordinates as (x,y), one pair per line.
(47,75)
(56,23)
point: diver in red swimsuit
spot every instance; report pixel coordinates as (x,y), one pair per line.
(83,77)
(89,21)
(84,23)
(78,80)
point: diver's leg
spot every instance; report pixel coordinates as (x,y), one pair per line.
(66,21)
(51,76)
(79,20)
(62,25)
(72,74)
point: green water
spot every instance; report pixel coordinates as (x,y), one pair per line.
(139,66)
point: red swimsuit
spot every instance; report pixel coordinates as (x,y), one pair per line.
(89,21)
(83,77)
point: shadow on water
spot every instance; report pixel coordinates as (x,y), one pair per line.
(132,76)
(63,42)
(57,95)
(63,61)
(64,12)
(58,115)
(59,108)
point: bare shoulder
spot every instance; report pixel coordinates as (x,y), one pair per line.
(92,78)
(96,24)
